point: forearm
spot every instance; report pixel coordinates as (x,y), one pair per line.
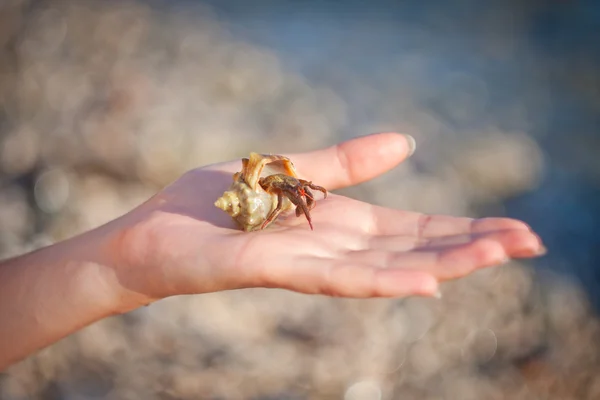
(52,292)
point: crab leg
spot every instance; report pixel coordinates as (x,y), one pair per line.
(310,200)
(319,188)
(300,205)
(275,212)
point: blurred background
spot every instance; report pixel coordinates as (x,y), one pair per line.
(103,103)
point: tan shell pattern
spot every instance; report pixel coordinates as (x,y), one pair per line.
(245,200)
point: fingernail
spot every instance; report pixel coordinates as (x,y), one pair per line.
(438,294)
(542,250)
(412,144)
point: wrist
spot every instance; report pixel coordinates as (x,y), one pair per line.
(104,269)
(50,293)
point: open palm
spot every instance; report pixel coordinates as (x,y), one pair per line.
(180,243)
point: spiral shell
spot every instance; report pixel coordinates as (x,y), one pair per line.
(245,200)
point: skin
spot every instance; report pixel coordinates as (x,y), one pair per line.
(179,243)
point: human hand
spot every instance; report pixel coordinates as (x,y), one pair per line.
(178,242)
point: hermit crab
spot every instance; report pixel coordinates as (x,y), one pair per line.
(266,186)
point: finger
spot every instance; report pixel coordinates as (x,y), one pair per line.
(516,242)
(388,221)
(458,261)
(354,161)
(454,262)
(346,278)
(382,221)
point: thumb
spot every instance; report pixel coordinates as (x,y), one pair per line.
(354,161)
